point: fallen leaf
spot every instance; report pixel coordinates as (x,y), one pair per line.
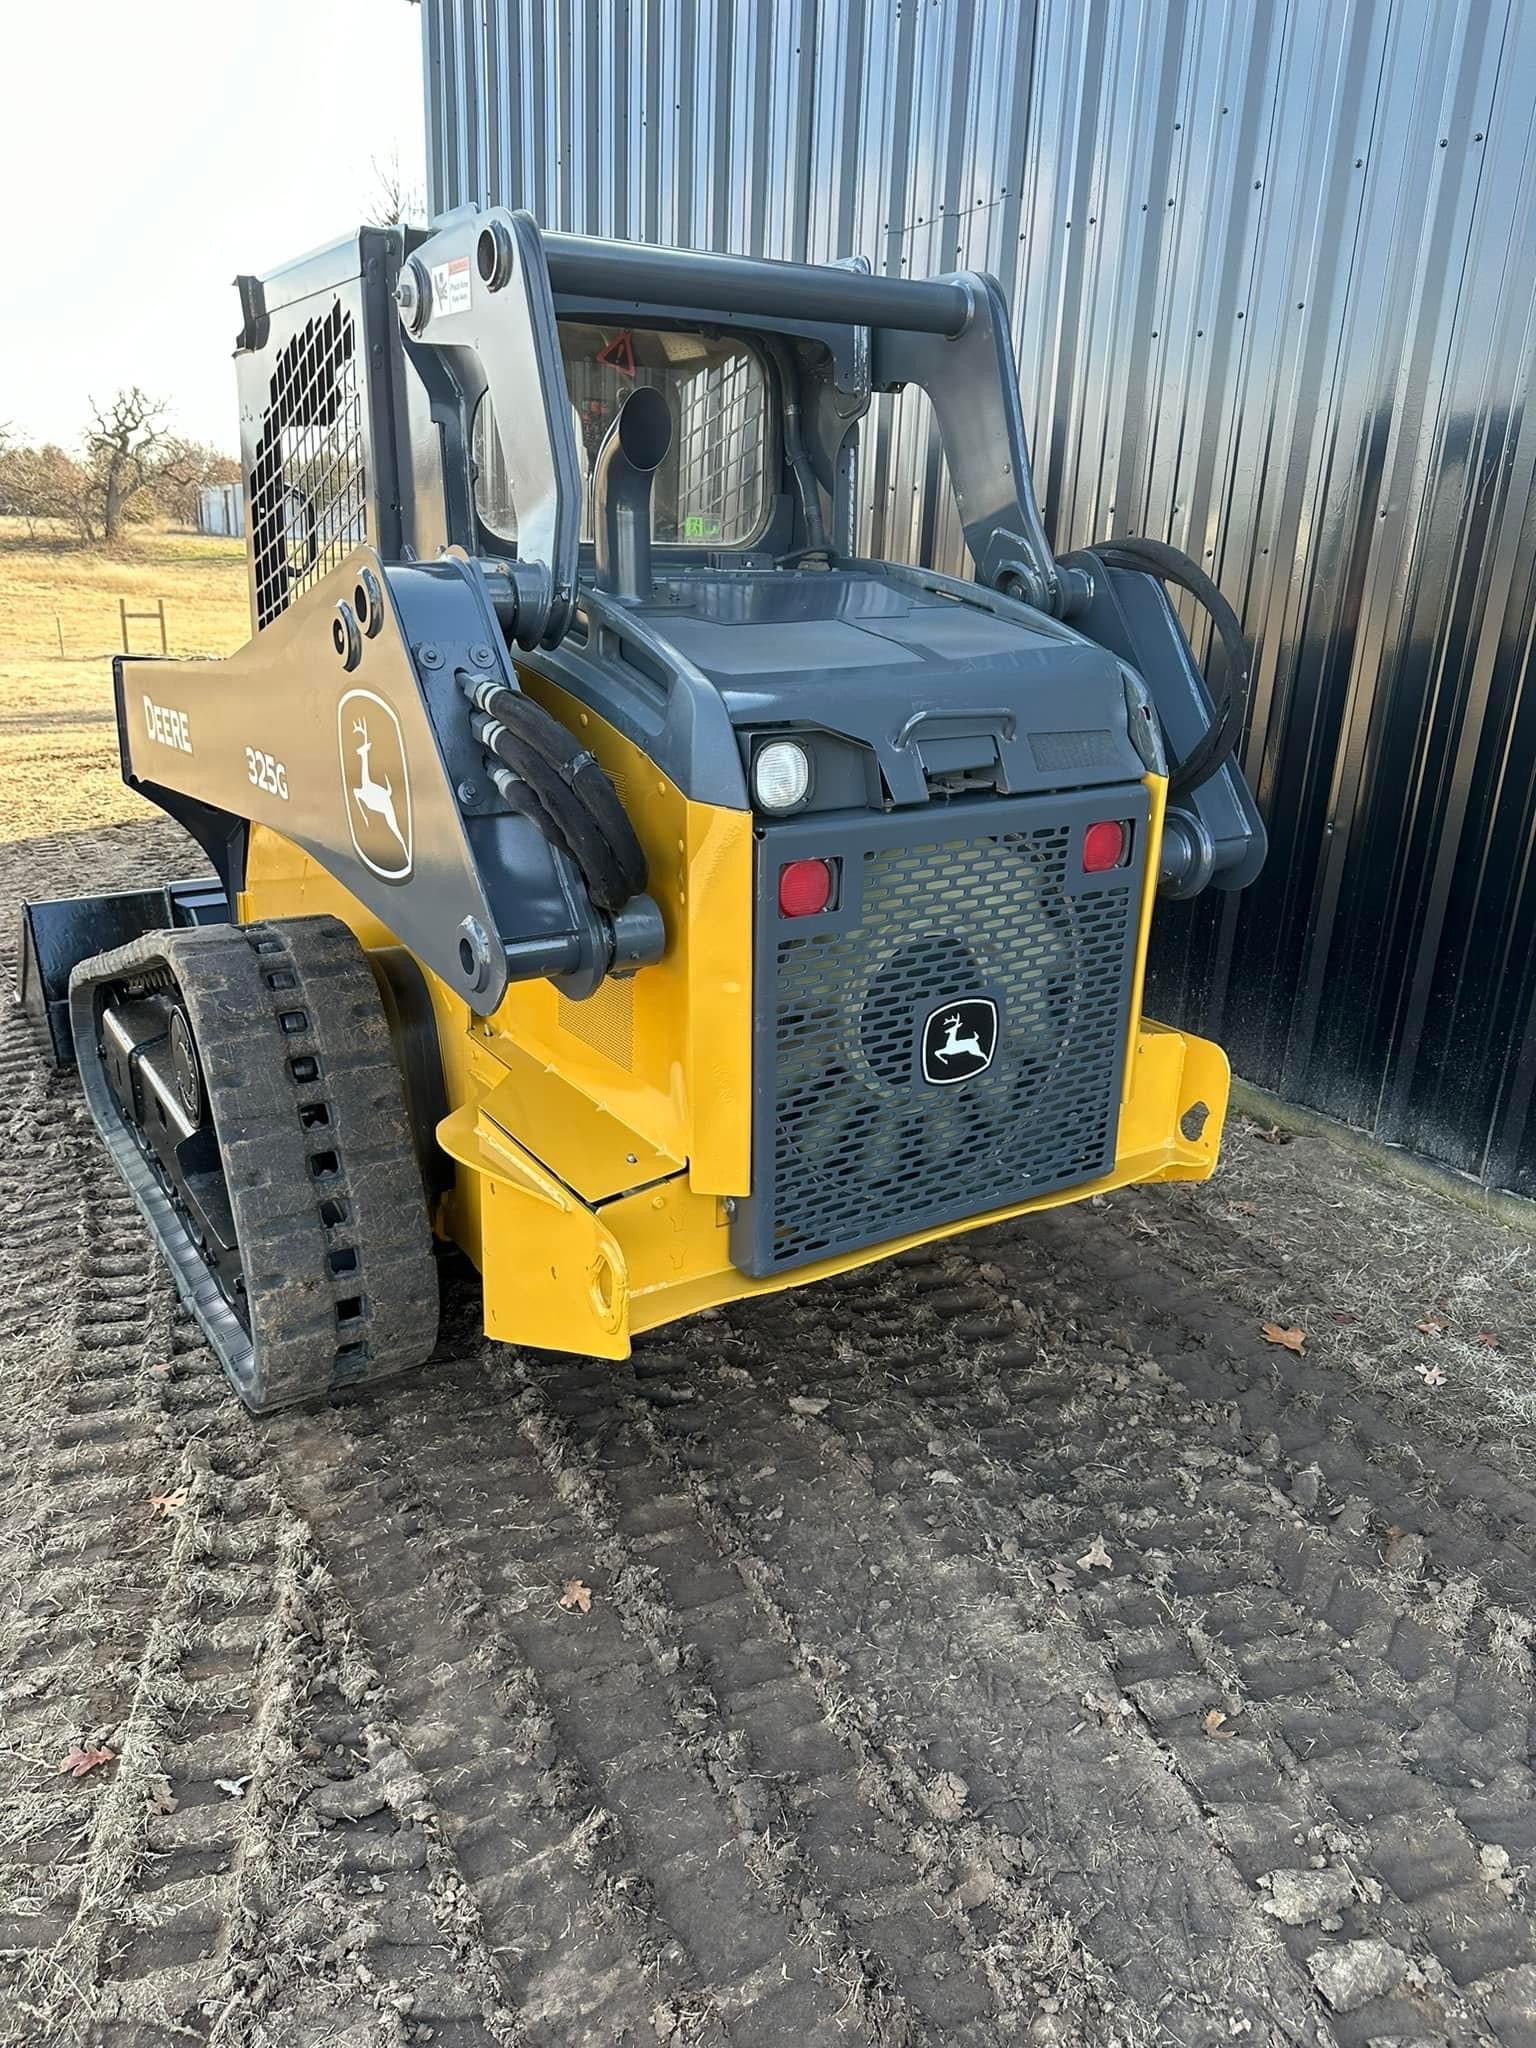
(576,1597)
(1288,1339)
(160,1798)
(1275,1135)
(1489,1339)
(808,1404)
(169,1503)
(1096,1554)
(1431,1375)
(1345,1315)
(1215,1723)
(235,1787)
(1059,1578)
(79,1760)
(1432,1326)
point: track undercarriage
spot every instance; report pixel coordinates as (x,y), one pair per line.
(246,1085)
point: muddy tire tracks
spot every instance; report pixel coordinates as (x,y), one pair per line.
(999,1646)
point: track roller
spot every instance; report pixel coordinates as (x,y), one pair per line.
(245,1083)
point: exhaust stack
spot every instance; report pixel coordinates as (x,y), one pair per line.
(633,449)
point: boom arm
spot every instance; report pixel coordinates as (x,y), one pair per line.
(475,301)
(479,300)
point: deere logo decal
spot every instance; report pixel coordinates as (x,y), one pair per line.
(959,1040)
(376,784)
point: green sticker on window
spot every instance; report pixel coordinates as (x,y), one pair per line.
(701,526)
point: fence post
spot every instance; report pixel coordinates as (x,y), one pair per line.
(124,616)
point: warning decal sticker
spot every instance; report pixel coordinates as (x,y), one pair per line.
(450,286)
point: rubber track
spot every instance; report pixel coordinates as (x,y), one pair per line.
(322,1178)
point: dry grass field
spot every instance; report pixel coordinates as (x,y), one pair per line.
(56,709)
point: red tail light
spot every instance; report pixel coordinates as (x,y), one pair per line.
(805,887)
(1105,845)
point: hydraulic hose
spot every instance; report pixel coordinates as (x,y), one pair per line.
(1171,565)
(795,450)
(560,784)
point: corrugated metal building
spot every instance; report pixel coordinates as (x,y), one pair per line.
(1272,269)
(220,509)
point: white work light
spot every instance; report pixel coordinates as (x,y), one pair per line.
(781,775)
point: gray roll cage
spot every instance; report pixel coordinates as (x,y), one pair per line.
(481,297)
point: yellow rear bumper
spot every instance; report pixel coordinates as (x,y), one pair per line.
(568,1276)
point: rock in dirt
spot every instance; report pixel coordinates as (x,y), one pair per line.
(946,1796)
(389,1781)
(1355,1972)
(1307,1486)
(349,1798)
(1297,1898)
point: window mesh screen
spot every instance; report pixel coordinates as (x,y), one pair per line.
(307,486)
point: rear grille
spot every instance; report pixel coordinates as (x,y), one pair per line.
(854,1141)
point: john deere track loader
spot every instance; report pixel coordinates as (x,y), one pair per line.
(616,875)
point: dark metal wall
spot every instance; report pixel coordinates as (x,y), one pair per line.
(1274,277)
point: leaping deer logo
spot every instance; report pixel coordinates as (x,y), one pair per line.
(378,800)
(958,1041)
(378,797)
(954,1045)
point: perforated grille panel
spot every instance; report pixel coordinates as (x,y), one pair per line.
(856,1140)
(307,485)
(605,1021)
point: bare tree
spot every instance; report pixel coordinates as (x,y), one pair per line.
(44,484)
(124,445)
(181,471)
(397,200)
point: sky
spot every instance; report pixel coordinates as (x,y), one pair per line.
(149,150)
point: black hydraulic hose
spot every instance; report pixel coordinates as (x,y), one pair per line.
(532,788)
(1171,565)
(795,450)
(566,791)
(578,766)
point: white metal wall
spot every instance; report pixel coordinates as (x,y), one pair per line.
(220,509)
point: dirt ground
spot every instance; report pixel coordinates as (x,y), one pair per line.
(1008,1645)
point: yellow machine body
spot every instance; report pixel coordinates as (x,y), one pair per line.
(599,1146)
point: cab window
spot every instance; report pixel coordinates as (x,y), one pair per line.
(712,490)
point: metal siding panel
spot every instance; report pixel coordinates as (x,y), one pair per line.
(1270,270)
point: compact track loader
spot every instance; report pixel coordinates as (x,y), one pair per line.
(617,876)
